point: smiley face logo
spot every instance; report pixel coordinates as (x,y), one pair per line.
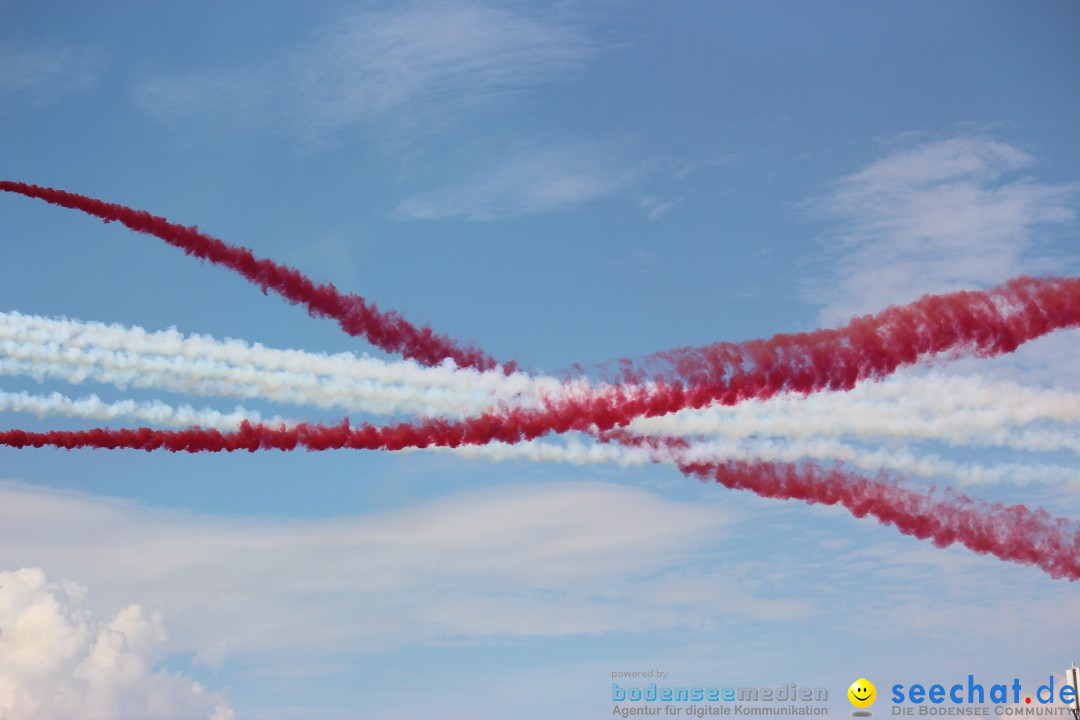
(862,693)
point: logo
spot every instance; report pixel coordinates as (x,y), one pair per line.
(862,694)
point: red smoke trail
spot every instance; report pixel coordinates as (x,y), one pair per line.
(1015,533)
(386,330)
(978,323)
(982,324)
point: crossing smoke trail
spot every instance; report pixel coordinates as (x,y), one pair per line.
(903,461)
(952,409)
(572,450)
(974,323)
(958,410)
(1014,533)
(356,316)
(980,324)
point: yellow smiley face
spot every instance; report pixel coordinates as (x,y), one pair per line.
(862,693)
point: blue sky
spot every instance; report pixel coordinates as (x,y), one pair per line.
(559,183)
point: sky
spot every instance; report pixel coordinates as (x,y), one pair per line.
(559,183)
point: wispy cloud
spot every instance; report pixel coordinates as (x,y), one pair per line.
(529,178)
(408,66)
(522,561)
(46,70)
(934,217)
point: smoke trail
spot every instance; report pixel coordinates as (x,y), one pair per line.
(973,323)
(903,461)
(442,433)
(154,411)
(978,323)
(1014,533)
(68,334)
(342,376)
(862,413)
(573,450)
(982,324)
(356,316)
(953,409)
(217,379)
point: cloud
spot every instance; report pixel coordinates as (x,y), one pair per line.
(934,217)
(47,70)
(406,67)
(58,662)
(655,207)
(529,179)
(548,560)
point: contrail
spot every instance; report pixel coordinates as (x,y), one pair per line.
(385,329)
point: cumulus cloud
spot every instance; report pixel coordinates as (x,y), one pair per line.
(57,661)
(934,217)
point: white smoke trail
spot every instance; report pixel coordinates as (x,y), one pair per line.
(155,412)
(955,410)
(360,383)
(575,452)
(573,449)
(950,409)
(208,378)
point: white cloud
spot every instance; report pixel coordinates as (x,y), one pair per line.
(655,207)
(58,662)
(935,217)
(548,560)
(530,179)
(48,69)
(407,66)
